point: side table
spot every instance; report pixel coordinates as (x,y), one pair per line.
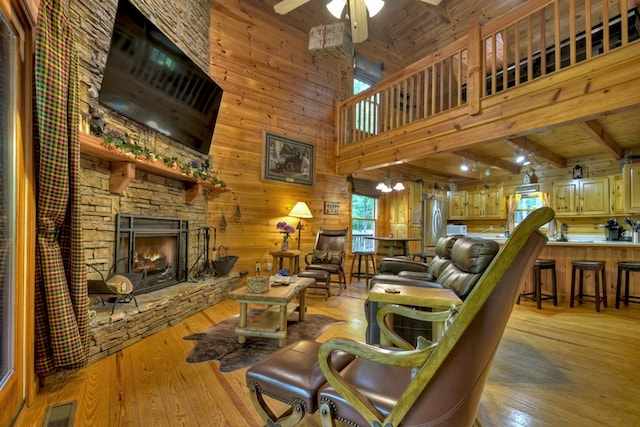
(412,296)
(293,260)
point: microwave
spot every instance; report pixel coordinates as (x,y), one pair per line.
(456,229)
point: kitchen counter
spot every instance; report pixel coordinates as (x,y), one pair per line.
(581,247)
(578,240)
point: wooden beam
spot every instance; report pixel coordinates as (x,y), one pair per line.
(595,130)
(488,160)
(439,12)
(530,146)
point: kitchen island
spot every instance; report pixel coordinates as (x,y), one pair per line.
(584,247)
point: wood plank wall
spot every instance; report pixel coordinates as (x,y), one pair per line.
(272,84)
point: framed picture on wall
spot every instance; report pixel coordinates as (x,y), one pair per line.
(288,160)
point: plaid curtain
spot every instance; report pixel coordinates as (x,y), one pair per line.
(61,317)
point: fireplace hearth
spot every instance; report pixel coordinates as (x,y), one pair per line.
(151,250)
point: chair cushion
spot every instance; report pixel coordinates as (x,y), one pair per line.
(326,257)
(292,373)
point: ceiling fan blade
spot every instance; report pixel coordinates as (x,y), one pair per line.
(433,2)
(359,23)
(286,6)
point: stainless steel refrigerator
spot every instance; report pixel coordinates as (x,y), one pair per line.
(434,222)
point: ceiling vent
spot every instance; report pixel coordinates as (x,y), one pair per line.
(529,188)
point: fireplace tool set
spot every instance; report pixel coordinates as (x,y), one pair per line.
(202,266)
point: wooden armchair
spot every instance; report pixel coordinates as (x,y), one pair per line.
(328,253)
(434,384)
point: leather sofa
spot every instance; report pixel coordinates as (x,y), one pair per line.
(458,265)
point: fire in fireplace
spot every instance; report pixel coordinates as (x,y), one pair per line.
(152,250)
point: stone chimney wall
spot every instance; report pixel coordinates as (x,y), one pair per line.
(186,23)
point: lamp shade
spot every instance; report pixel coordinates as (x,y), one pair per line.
(301,210)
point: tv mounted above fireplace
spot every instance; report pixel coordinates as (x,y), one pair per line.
(148,79)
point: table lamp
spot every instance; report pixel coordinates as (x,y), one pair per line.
(300,210)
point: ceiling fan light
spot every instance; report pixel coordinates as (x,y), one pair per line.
(336,7)
(381,186)
(373,6)
(520,157)
(464,166)
(488,172)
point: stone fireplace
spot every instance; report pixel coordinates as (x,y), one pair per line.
(151,249)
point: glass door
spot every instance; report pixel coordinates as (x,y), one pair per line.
(11,281)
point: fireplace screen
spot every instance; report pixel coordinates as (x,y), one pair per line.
(153,249)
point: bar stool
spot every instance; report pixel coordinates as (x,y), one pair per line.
(626,267)
(598,268)
(536,294)
(366,257)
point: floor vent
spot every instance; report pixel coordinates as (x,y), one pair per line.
(61,415)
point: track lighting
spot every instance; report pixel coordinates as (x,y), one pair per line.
(522,158)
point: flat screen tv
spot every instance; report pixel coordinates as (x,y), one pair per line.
(148,79)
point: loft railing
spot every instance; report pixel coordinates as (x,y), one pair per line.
(535,40)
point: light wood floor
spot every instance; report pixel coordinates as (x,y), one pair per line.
(555,367)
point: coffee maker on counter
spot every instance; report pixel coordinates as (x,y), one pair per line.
(612,230)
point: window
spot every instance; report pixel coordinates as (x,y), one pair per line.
(8,107)
(364,211)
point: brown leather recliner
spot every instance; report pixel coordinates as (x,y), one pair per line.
(402,271)
(470,256)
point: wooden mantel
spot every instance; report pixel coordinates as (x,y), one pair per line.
(123,169)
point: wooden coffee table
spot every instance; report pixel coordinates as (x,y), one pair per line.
(273,322)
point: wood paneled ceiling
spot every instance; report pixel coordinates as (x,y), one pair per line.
(411,29)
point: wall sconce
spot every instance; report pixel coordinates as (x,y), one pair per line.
(577,172)
(300,210)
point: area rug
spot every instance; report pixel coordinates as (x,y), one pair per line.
(220,342)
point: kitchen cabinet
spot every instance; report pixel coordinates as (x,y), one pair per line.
(617,194)
(486,203)
(631,180)
(458,205)
(581,197)
(405,210)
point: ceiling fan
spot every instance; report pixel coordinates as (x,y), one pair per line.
(357,12)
